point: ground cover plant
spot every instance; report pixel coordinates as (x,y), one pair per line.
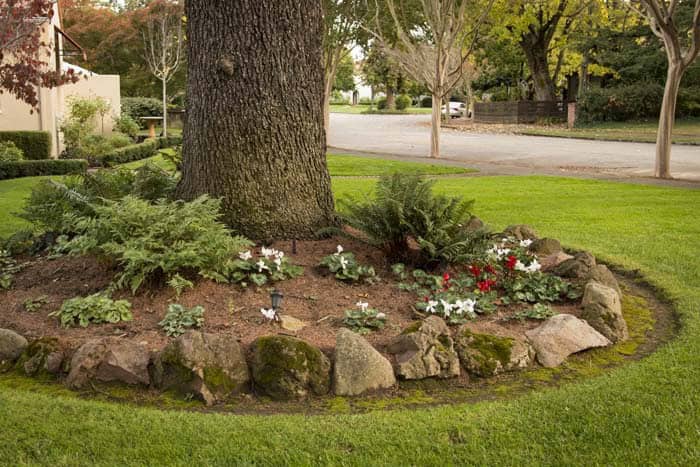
(661,389)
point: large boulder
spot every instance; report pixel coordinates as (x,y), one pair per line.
(487,349)
(545,247)
(474,225)
(603,311)
(552,261)
(601,274)
(520,232)
(211,366)
(562,335)
(11,347)
(358,366)
(286,368)
(109,359)
(425,350)
(43,356)
(578,267)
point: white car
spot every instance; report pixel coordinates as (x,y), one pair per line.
(457,109)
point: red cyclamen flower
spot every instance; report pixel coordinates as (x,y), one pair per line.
(475,270)
(510,263)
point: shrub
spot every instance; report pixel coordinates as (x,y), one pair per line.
(9,152)
(622,103)
(127,125)
(381,103)
(78,128)
(364,320)
(152,183)
(410,223)
(403,102)
(135,152)
(36,145)
(179,318)
(346,268)
(366,101)
(96,309)
(426,102)
(689,102)
(35,168)
(337,98)
(137,107)
(157,241)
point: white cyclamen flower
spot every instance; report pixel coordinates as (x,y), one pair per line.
(431,307)
(338,250)
(446,307)
(278,262)
(267,252)
(381,316)
(362,305)
(343,263)
(279,254)
(519,266)
(525,243)
(261,266)
(465,306)
(268,313)
(245,255)
(534,267)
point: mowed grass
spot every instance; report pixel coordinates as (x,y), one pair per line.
(645,413)
(685,131)
(363,108)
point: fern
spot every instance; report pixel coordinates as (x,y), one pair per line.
(404,211)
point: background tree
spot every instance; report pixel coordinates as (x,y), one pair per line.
(345,75)
(383,73)
(23,53)
(162,38)
(254,132)
(682,45)
(436,51)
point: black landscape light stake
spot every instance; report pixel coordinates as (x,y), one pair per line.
(294,246)
(276,298)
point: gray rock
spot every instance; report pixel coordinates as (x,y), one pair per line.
(11,346)
(561,336)
(603,311)
(42,355)
(601,274)
(545,247)
(521,232)
(578,267)
(474,224)
(552,261)
(290,323)
(109,359)
(286,368)
(210,366)
(487,349)
(425,350)
(358,366)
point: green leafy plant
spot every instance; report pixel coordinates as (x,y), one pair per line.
(32,305)
(8,269)
(127,125)
(93,309)
(538,287)
(271,266)
(412,224)
(157,241)
(364,320)
(10,152)
(539,311)
(346,268)
(178,319)
(179,284)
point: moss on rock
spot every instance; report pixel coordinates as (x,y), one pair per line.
(484,354)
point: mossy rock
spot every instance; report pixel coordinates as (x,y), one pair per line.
(482,354)
(545,246)
(286,368)
(578,267)
(520,232)
(43,357)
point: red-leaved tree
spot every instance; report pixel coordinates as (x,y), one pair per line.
(23,51)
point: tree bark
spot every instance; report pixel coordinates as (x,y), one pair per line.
(667,118)
(254,135)
(435,127)
(165,107)
(538,62)
(390,98)
(327,91)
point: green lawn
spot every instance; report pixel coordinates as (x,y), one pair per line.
(645,413)
(362,108)
(685,131)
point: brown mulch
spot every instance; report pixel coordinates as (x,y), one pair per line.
(316,298)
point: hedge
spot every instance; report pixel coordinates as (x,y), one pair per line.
(135,152)
(17,169)
(36,145)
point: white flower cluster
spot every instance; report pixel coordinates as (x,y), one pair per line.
(342,259)
(498,251)
(267,253)
(269,313)
(533,267)
(459,307)
(525,243)
(363,306)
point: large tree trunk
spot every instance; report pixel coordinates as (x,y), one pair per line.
(390,98)
(165,107)
(666,121)
(435,127)
(538,62)
(254,134)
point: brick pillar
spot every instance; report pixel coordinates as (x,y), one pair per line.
(571,115)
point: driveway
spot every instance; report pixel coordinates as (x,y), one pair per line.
(409,136)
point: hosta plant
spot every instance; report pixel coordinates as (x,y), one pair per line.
(93,309)
(32,305)
(364,319)
(539,311)
(179,319)
(346,268)
(8,269)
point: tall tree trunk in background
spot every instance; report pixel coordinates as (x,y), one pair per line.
(538,63)
(390,98)
(327,91)
(254,133)
(664,138)
(165,108)
(435,127)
